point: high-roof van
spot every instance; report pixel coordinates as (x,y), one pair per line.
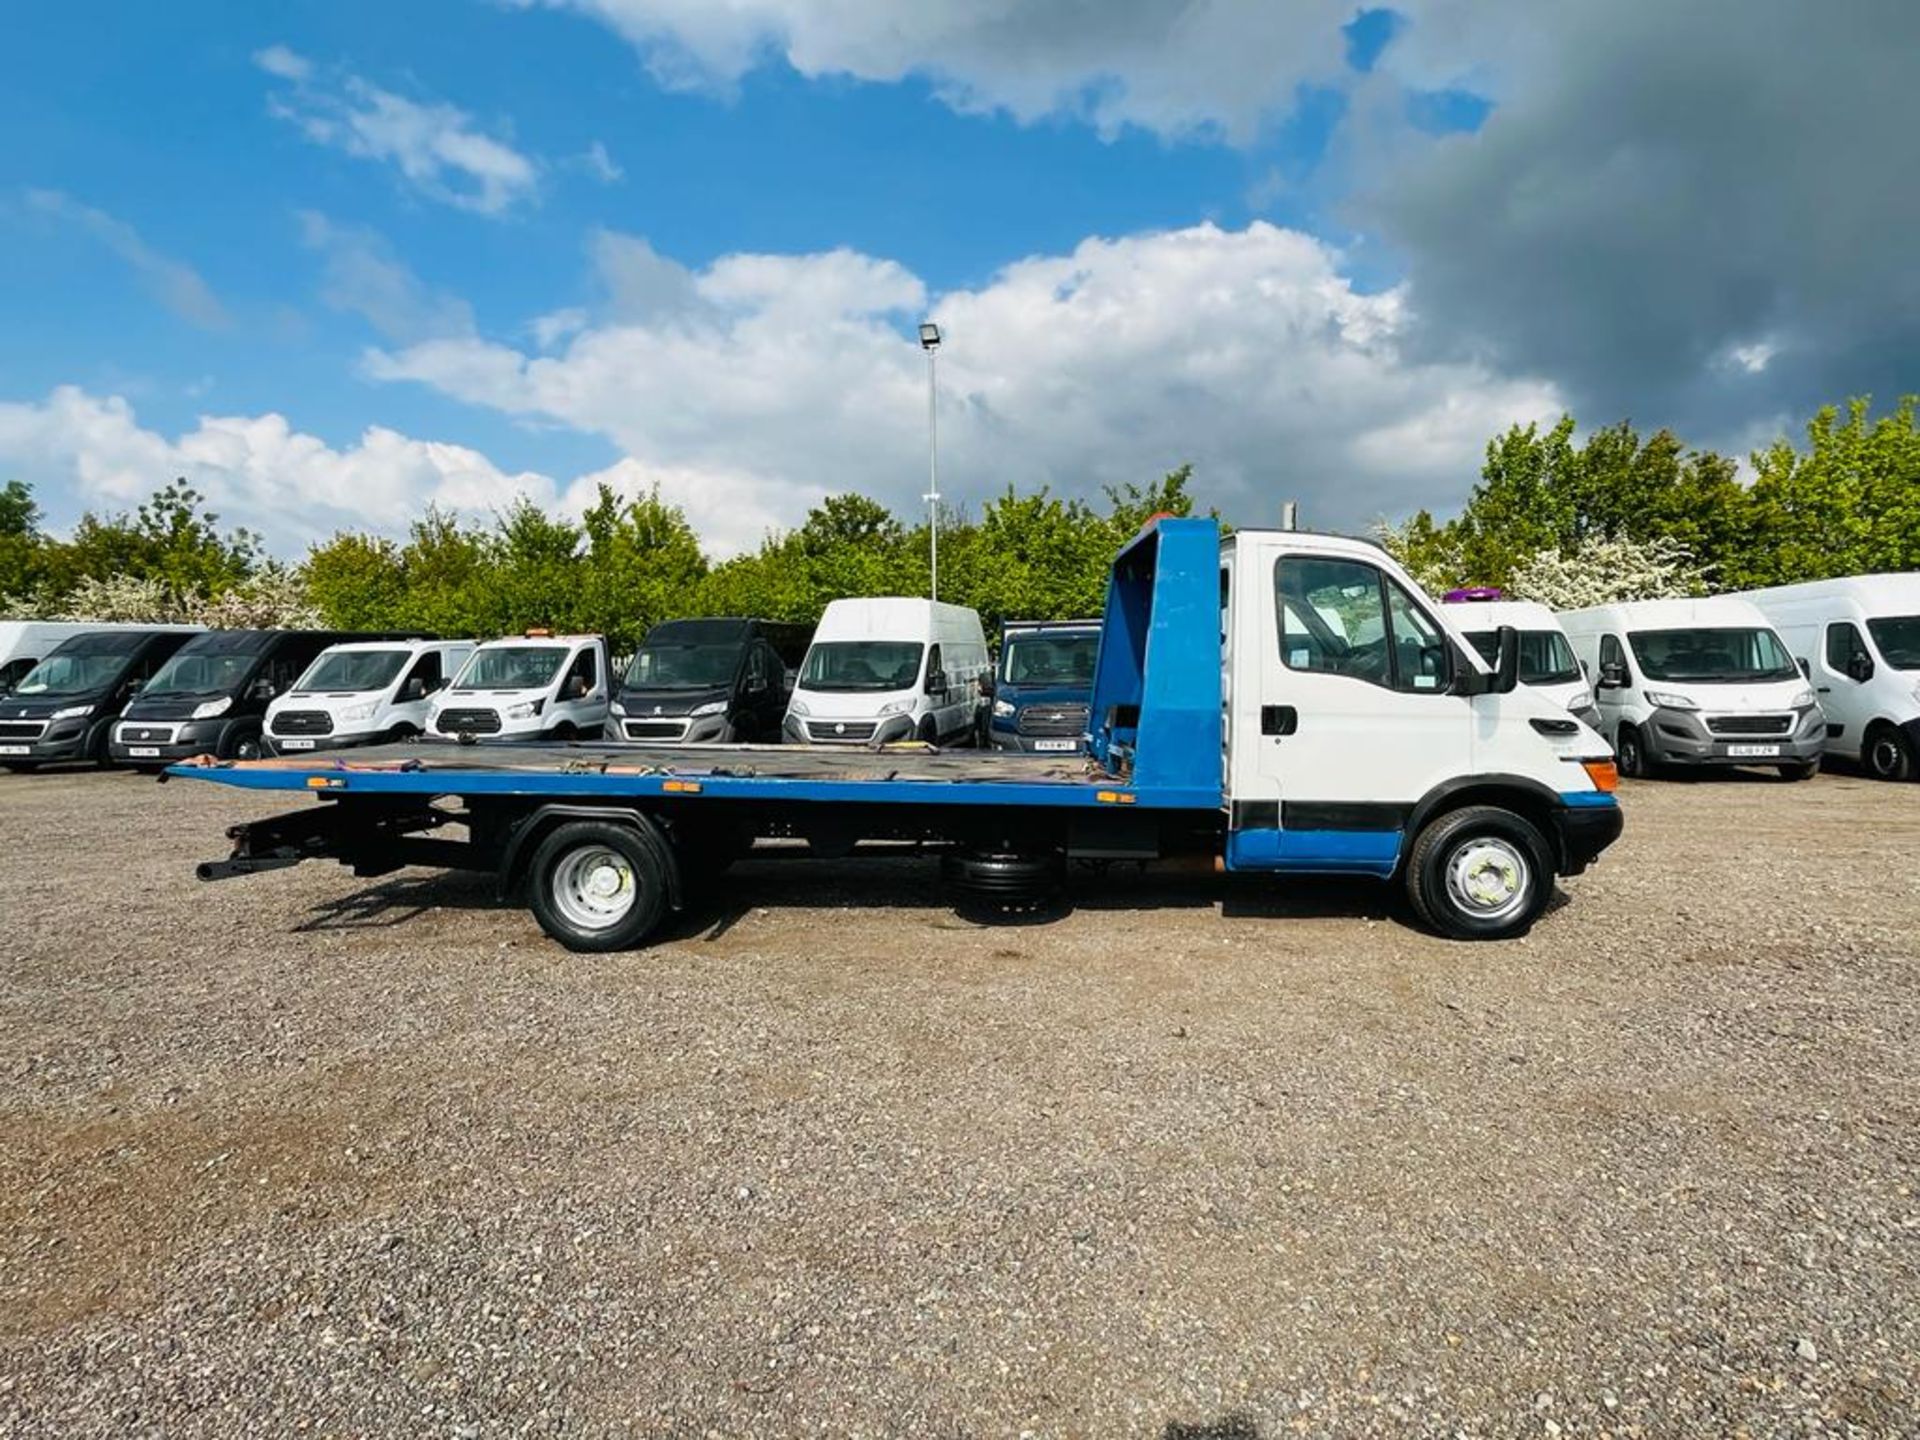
(25,643)
(65,707)
(1696,683)
(1547,661)
(1858,641)
(363,692)
(211,698)
(536,686)
(891,668)
(697,682)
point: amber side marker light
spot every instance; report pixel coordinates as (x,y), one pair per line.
(1604,774)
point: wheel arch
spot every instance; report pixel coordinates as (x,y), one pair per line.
(540,822)
(1525,797)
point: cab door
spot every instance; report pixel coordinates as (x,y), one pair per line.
(582,700)
(1841,680)
(1342,712)
(1613,687)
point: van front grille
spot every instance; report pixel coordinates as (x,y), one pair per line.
(1067,720)
(1750,724)
(303,722)
(145,734)
(656,729)
(847,731)
(468,722)
(22,729)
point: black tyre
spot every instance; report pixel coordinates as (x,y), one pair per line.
(1481,873)
(1804,770)
(929,732)
(244,746)
(1887,755)
(1631,753)
(596,886)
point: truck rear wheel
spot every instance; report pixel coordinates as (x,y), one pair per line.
(596,886)
(1481,873)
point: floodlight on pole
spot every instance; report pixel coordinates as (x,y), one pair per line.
(930,342)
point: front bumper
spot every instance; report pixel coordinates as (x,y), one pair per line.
(670,729)
(1681,738)
(307,744)
(165,742)
(61,743)
(1582,831)
(818,730)
(1035,744)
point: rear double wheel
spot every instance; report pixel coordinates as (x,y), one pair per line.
(597,886)
(1480,873)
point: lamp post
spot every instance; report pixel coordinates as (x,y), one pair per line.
(930,342)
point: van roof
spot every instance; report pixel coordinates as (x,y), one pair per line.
(881,616)
(524,640)
(1888,590)
(410,644)
(1491,614)
(1712,611)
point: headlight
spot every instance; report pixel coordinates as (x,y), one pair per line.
(896,707)
(360,712)
(1003,708)
(712,707)
(213,707)
(1801,700)
(526,709)
(72,712)
(797,706)
(616,708)
(1580,700)
(1667,700)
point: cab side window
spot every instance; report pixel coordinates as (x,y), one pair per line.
(1612,654)
(14,671)
(1845,647)
(1345,617)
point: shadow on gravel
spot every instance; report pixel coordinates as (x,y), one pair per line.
(395,902)
(1227,1427)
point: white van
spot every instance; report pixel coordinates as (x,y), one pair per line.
(25,643)
(1858,640)
(1696,683)
(891,669)
(1547,662)
(363,693)
(533,687)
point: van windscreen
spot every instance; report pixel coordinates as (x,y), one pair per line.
(202,672)
(1898,637)
(73,671)
(1545,656)
(1050,659)
(512,667)
(1713,656)
(352,670)
(862,665)
(696,665)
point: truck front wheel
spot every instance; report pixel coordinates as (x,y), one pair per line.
(596,886)
(1481,873)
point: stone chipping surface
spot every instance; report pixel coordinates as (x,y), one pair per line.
(1198,1159)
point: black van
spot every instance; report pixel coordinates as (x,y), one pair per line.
(703,682)
(211,697)
(64,708)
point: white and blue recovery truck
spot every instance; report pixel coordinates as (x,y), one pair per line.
(1283,702)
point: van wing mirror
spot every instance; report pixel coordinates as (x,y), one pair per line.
(1806,668)
(1860,668)
(1506,666)
(1613,676)
(414,689)
(261,690)
(937,683)
(987,686)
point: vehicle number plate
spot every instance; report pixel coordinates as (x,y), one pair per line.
(296,744)
(16,749)
(1752,751)
(1056,744)
(144,752)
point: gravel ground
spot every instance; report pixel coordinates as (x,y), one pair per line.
(1199,1159)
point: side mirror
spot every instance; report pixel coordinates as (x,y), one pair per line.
(756,684)
(1586,672)
(937,683)
(134,687)
(986,686)
(1613,677)
(1806,669)
(1506,668)
(414,689)
(576,687)
(1860,668)
(260,690)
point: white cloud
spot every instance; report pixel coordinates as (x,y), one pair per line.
(361,275)
(174,283)
(600,164)
(436,147)
(774,378)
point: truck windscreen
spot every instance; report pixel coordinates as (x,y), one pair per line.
(1065,660)
(1898,637)
(1731,656)
(694,666)
(511,667)
(1545,656)
(862,665)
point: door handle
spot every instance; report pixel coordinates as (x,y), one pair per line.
(1826,689)
(1279,719)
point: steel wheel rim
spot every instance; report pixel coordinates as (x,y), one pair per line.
(1489,878)
(594,887)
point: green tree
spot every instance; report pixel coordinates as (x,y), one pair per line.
(358,582)
(1848,505)
(642,565)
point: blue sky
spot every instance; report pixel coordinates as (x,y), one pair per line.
(536,246)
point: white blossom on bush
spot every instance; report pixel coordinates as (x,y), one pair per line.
(272,598)
(1601,571)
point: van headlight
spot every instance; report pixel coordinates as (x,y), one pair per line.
(360,712)
(526,709)
(212,708)
(1667,700)
(1580,700)
(616,708)
(72,712)
(1004,709)
(712,707)
(1802,700)
(896,707)
(797,706)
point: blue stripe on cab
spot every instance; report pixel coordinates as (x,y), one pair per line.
(1337,852)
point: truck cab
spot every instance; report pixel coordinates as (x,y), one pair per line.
(536,686)
(363,692)
(64,708)
(1043,685)
(700,682)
